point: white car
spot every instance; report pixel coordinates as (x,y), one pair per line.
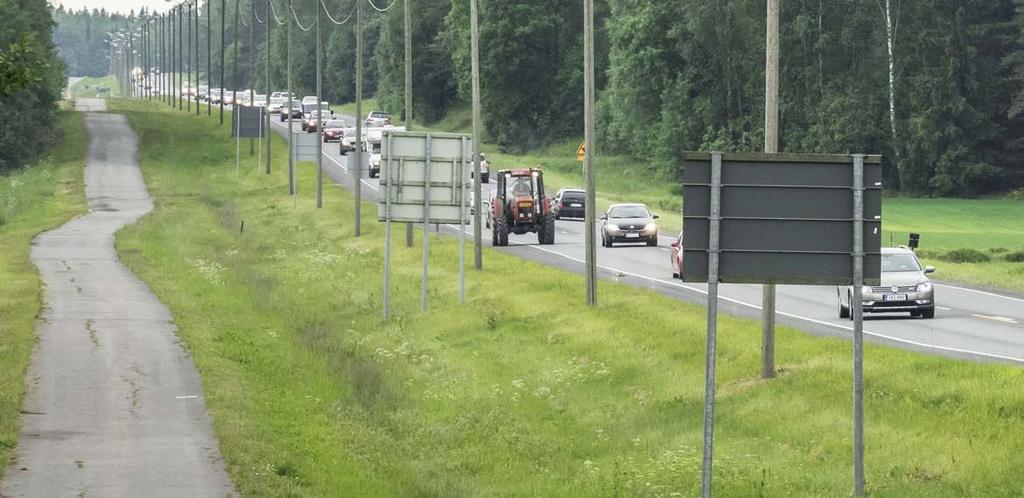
(275,104)
(378,119)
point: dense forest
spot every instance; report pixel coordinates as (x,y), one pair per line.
(937,86)
(31,79)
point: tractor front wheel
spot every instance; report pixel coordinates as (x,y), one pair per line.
(500,232)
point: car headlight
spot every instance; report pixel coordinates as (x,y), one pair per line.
(612,228)
(651,228)
(924,287)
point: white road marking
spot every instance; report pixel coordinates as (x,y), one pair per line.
(943,308)
(996,318)
(187,397)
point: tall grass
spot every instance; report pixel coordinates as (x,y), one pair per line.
(522,391)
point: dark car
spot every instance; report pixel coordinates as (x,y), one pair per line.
(629,223)
(569,203)
(676,257)
(293,109)
(334,130)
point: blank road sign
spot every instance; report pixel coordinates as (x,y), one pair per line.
(785,218)
(250,122)
(404,181)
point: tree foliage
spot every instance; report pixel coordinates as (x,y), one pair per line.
(31,79)
(689,75)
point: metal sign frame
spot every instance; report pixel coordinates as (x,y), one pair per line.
(412,174)
(718,216)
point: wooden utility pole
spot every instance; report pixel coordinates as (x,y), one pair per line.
(223,15)
(319,119)
(771,146)
(266,70)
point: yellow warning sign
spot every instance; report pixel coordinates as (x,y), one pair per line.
(581,151)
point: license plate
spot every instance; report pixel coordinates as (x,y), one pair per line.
(894,297)
(575,205)
(632,236)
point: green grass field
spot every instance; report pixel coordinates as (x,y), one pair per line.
(96,87)
(522,391)
(32,200)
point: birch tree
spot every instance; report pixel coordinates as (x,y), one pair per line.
(890,14)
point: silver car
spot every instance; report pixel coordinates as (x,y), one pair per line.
(905,287)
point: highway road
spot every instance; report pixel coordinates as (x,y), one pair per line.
(969,323)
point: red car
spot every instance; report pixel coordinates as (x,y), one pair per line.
(334,130)
(677,257)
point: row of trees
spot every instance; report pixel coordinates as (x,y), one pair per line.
(31,79)
(937,86)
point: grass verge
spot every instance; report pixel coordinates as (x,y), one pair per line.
(522,391)
(32,200)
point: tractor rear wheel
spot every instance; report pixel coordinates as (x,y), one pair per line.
(500,232)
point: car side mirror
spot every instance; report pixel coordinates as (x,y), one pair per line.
(929,269)
(654,217)
(603,217)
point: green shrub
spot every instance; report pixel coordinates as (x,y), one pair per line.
(965,256)
(1015,257)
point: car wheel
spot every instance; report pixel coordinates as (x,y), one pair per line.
(653,242)
(844,312)
(849,299)
(928,313)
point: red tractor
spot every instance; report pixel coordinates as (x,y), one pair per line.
(520,206)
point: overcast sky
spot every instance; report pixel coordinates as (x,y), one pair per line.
(122,6)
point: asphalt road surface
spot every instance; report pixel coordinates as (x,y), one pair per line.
(969,323)
(114,406)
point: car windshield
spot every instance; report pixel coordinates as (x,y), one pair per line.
(378,115)
(630,212)
(899,262)
(576,196)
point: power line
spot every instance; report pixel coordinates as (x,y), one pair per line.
(276,18)
(299,24)
(329,16)
(385,9)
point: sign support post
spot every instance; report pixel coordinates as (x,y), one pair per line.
(709,368)
(426,224)
(387,229)
(462,224)
(857,308)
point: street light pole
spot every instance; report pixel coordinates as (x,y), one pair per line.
(223,15)
(319,119)
(291,103)
(588,140)
(358,167)
(266,70)
(408,93)
(474,36)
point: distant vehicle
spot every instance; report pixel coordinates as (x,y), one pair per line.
(676,257)
(485,206)
(275,104)
(905,287)
(312,115)
(334,129)
(520,206)
(372,140)
(309,99)
(348,141)
(378,118)
(629,223)
(569,203)
(293,109)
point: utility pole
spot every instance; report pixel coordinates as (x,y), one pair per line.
(209,57)
(291,102)
(474,38)
(408,93)
(588,141)
(223,15)
(357,168)
(181,54)
(319,119)
(252,68)
(771,146)
(196,41)
(266,17)
(234,71)
(188,59)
